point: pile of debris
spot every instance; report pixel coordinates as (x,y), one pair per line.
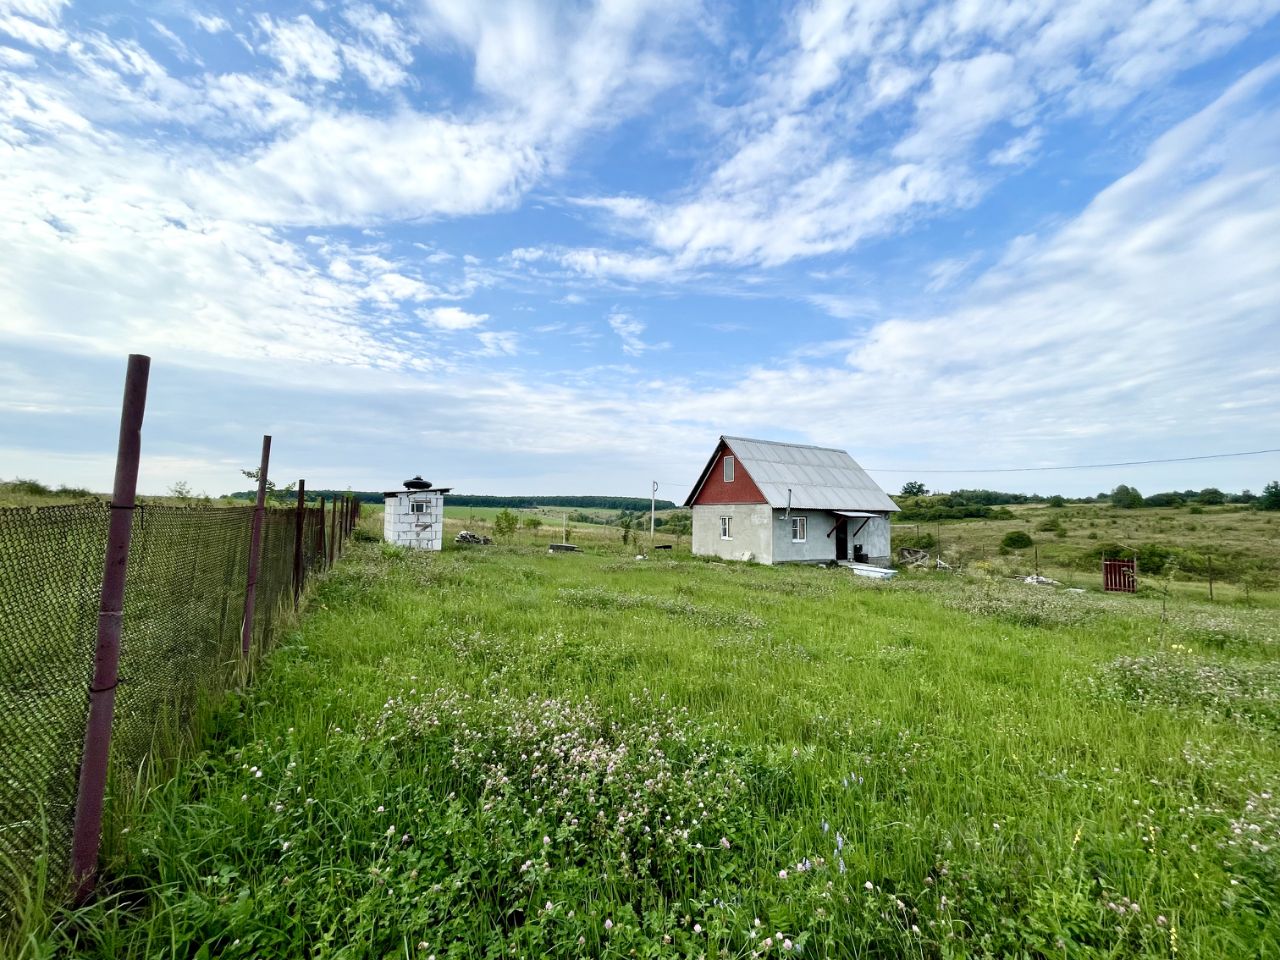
(920,559)
(466,536)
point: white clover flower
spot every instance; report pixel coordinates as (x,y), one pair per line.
(869,885)
(608,924)
(786,945)
(782,874)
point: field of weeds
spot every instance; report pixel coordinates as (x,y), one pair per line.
(500,753)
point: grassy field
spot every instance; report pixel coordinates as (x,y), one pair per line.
(496,752)
(1239,540)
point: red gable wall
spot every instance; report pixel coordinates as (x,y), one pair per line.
(742,490)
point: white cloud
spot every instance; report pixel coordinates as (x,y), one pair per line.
(302,48)
(452,318)
(498,343)
(796,177)
(631,332)
(210,24)
(1123,327)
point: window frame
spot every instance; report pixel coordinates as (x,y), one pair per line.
(730,468)
(418,506)
(800,524)
(726,528)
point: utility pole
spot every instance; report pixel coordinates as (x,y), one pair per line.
(653,507)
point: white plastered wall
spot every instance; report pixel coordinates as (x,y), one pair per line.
(422,531)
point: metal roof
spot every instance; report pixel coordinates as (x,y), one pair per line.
(819,478)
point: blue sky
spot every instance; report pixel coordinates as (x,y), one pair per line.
(529,247)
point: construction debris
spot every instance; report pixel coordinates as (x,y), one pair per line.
(1040,581)
(466,536)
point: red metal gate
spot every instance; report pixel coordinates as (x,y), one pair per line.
(1119,576)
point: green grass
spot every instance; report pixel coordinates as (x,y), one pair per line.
(1239,538)
(476,753)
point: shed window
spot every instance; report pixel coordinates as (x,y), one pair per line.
(726,528)
(728,469)
(799,529)
(418,506)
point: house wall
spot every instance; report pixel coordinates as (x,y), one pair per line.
(818,547)
(742,489)
(874,539)
(422,531)
(752,531)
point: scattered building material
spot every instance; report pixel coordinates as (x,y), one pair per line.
(466,536)
(563,548)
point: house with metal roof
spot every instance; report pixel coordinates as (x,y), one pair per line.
(788,503)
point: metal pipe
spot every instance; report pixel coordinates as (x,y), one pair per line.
(255,550)
(87,832)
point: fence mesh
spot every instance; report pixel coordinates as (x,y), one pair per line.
(184,604)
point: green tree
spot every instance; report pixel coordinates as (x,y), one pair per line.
(1057,500)
(532,523)
(181,489)
(1270,499)
(1211,496)
(278,494)
(914,488)
(625,524)
(1126,497)
(504,524)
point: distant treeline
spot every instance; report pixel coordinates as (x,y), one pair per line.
(631,504)
(582,503)
(918,505)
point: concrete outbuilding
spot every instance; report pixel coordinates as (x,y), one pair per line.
(788,503)
(414,517)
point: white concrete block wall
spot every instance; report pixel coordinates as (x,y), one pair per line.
(752,531)
(422,531)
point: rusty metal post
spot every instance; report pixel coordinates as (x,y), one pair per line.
(255,550)
(87,836)
(299,570)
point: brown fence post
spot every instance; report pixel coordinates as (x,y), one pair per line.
(298,569)
(87,837)
(255,549)
(333,532)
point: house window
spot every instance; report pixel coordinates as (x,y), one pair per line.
(799,529)
(726,528)
(418,506)
(728,469)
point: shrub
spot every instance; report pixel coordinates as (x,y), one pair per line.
(1016,540)
(1050,524)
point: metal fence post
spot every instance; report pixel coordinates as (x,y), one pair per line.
(87,837)
(255,549)
(298,570)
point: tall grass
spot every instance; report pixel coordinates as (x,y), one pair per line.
(496,752)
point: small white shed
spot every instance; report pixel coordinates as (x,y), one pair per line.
(414,517)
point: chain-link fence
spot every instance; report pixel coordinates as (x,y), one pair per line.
(181,640)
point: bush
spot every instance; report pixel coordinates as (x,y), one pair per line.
(1050,524)
(1017,540)
(915,541)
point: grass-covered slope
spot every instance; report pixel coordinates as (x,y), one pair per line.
(501,753)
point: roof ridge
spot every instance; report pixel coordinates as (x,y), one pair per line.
(781,443)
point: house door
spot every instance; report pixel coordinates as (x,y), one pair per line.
(842,540)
